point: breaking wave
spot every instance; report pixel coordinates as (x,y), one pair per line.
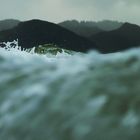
(63,97)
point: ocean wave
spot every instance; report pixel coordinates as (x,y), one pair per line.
(64,97)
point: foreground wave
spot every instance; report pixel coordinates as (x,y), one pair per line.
(91,96)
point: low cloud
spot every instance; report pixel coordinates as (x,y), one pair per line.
(59,10)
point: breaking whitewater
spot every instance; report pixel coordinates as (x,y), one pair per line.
(69,97)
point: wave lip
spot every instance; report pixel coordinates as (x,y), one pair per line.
(88,96)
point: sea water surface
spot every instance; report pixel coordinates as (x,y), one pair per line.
(81,97)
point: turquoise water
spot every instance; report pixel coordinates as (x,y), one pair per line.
(84,96)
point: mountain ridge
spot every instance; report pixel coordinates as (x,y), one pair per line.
(38,32)
(125,37)
(88,28)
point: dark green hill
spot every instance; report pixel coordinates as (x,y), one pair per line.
(126,37)
(36,32)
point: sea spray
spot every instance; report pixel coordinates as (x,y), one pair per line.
(90,96)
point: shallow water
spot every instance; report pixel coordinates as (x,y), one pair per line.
(89,96)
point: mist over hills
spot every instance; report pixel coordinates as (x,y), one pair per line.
(8,24)
(81,28)
(88,28)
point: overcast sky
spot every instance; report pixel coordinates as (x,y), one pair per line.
(59,10)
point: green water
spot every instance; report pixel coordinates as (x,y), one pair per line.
(63,97)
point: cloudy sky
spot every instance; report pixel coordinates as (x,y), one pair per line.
(59,10)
